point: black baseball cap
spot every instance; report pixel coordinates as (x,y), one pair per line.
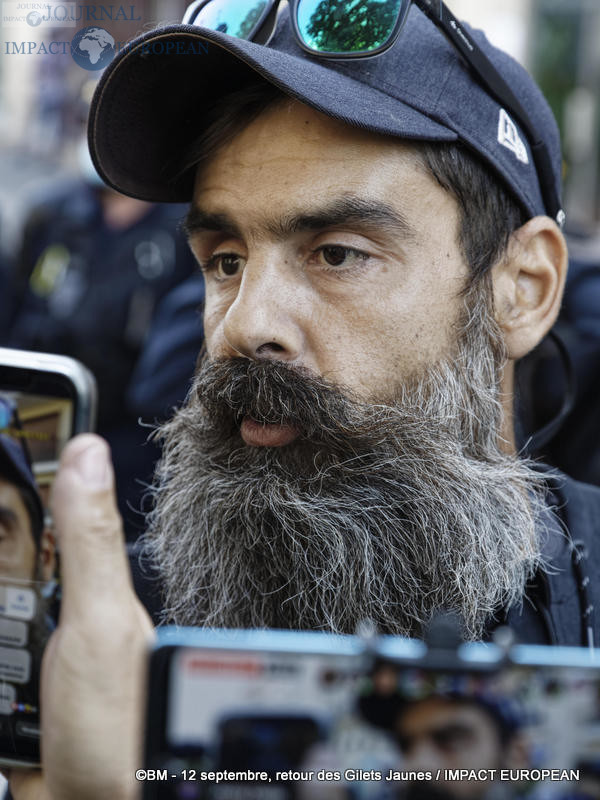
(152,101)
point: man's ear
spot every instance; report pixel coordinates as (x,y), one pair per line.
(528,284)
(47,555)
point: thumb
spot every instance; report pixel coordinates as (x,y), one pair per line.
(93,559)
(27,785)
(94,665)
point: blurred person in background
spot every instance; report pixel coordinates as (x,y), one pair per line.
(26,546)
(164,370)
(457,732)
(92,269)
(28,564)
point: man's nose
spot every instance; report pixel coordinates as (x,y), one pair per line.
(266,318)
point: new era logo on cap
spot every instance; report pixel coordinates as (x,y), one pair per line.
(508,136)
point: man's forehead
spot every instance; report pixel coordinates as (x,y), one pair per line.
(284,181)
(265,136)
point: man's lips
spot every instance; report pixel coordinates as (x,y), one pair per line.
(258,434)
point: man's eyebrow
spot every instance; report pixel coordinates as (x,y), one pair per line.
(8,516)
(198,221)
(359,211)
(351,210)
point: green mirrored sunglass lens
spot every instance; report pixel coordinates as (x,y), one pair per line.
(234,17)
(347,26)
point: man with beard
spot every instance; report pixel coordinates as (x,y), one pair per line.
(380,243)
(347,451)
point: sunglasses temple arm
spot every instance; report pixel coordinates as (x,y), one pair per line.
(263,33)
(443,18)
(192,12)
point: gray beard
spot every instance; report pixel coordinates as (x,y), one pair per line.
(389,511)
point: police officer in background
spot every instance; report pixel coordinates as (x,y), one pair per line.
(91,272)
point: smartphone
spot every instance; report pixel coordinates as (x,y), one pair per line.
(273,715)
(45,399)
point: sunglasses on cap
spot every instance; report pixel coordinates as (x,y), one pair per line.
(344,29)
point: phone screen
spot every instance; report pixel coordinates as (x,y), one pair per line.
(39,412)
(41,425)
(288,725)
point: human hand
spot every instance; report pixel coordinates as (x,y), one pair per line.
(93,673)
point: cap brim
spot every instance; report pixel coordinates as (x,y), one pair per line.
(151,104)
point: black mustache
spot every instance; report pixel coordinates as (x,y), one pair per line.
(271,392)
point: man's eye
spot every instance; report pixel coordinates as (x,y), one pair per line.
(225,265)
(335,255)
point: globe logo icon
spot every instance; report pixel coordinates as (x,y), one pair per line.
(33,18)
(92,48)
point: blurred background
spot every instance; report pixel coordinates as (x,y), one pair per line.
(44,97)
(85,271)
(107,279)
(557,40)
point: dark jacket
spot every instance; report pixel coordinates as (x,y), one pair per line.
(563,603)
